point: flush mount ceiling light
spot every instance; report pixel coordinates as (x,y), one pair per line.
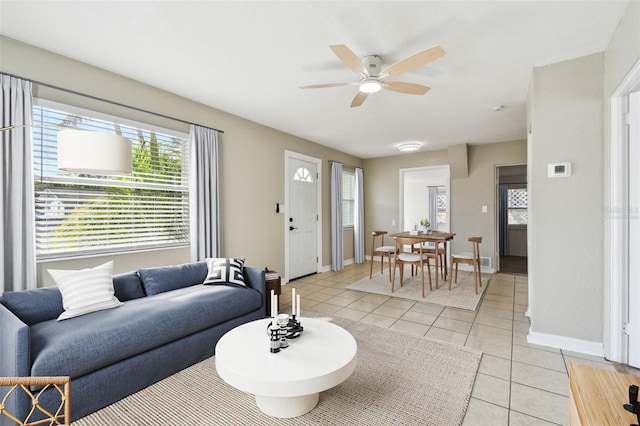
(409,146)
(370,85)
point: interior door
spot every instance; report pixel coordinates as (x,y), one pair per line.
(633,327)
(303,218)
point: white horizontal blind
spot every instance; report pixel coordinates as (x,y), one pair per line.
(85,214)
(348,199)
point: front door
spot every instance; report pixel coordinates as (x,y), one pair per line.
(303,218)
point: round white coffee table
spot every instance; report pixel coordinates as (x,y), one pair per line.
(286,384)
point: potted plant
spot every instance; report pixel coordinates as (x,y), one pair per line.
(425,225)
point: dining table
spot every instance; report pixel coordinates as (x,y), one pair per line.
(435,237)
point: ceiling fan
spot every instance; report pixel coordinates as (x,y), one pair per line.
(373,78)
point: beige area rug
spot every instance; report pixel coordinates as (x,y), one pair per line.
(462,294)
(400,379)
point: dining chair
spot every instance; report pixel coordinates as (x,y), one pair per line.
(428,248)
(472,259)
(381,251)
(408,257)
(39,414)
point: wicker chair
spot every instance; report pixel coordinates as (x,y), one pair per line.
(38,415)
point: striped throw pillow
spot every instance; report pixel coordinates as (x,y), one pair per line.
(86,290)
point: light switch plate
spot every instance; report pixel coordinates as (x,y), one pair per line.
(484,209)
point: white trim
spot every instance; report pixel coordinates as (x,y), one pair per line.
(566,343)
(287,156)
(616,278)
(530,221)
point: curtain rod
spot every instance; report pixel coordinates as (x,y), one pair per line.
(344,164)
(157,114)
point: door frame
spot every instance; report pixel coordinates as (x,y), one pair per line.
(287,156)
(496,237)
(616,224)
(436,169)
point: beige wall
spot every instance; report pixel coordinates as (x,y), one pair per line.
(566,282)
(569,116)
(382,191)
(251,157)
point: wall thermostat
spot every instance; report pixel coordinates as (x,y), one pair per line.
(559,170)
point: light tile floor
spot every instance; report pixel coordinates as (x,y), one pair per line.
(517,383)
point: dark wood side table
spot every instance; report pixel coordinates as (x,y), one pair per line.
(275,285)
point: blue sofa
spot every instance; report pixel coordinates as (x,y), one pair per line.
(168,321)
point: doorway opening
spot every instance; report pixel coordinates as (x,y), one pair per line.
(424,193)
(512,218)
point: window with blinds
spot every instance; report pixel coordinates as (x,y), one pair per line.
(78,214)
(348,199)
(517,206)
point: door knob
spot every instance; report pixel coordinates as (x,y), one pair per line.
(291,228)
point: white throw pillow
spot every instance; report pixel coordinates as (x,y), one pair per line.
(86,290)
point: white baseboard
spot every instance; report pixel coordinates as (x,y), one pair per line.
(568,343)
(327,268)
(469,268)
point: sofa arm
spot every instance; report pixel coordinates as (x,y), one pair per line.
(15,357)
(254,278)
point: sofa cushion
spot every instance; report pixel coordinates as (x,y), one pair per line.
(159,279)
(34,306)
(127,286)
(85,290)
(81,345)
(225,271)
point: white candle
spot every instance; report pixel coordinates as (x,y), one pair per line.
(298,307)
(272,310)
(293,301)
(275,307)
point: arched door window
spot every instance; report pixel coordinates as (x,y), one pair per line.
(303,175)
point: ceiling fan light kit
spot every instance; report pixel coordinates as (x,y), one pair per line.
(409,146)
(372,76)
(370,85)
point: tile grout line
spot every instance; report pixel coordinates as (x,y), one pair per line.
(513,316)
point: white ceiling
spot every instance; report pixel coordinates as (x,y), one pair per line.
(249,59)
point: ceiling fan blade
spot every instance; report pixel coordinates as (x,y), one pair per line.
(322,86)
(408,88)
(413,62)
(359,99)
(350,59)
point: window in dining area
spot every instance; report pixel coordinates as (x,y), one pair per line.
(348,199)
(517,206)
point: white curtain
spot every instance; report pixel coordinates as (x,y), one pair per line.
(337,256)
(203,193)
(358,219)
(433,207)
(18,263)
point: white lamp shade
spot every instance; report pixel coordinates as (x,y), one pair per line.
(82,151)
